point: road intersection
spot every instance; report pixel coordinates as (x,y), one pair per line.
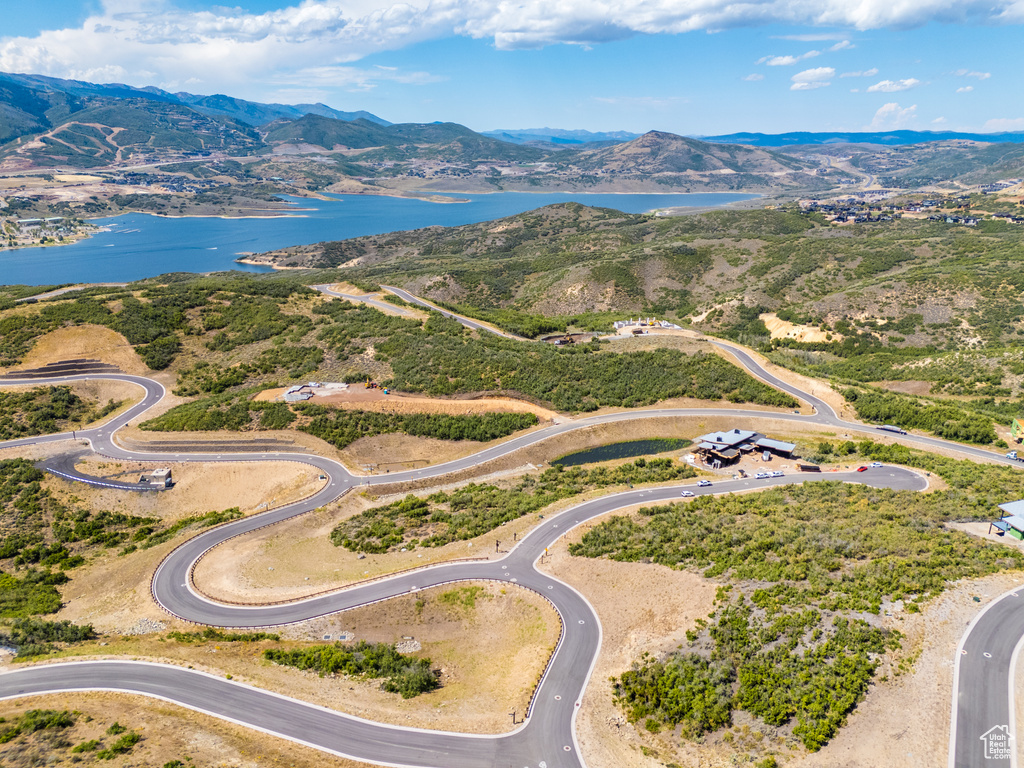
(548,734)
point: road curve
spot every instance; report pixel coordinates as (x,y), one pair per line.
(548,734)
(461,319)
(370,300)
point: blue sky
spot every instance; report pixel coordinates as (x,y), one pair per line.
(695,67)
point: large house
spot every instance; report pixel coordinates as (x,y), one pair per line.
(727,447)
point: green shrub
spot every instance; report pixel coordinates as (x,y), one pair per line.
(404,675)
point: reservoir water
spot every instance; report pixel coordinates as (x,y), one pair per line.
(140,245)
(625,450)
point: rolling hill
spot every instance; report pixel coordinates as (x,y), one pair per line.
(660,152)
(105,132)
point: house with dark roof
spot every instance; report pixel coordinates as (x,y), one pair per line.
(727,447)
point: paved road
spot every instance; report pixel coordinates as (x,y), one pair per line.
(548,734)
(983,730)
(381,305)
(466,321)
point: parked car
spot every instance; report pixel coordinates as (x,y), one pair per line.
(686,494)
(761,476)
(703,483)
(875,464)
(777,473)
(862,469)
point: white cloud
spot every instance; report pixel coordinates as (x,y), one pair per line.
(1000,124)
(965,89)
(753,78)
(939,121)
(842,45)
(809,79)
(891,117)
(349,78)
(786,61)
(154,42)
(969,73)
(865,73)
(892,86)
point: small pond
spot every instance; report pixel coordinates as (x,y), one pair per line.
(624,450)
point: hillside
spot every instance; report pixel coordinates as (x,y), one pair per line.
(917,322)
(103,134)
(887,138)
(324,132)
(657,152)
(910,288)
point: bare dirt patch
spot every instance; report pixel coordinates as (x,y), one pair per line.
(84,341)
(359,397)
(168,733)
(297,558)
(112,591)
(490,655)
(906,387)
(782,329)
(643,608)
(397,451)
(903,722)
(198,488)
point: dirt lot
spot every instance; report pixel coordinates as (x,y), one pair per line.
(782,329)
(296,558)
(96,392)
(642,608)
(112,591)
(168,733)
(903,722)
(357,397)
(490,654)
(84,341)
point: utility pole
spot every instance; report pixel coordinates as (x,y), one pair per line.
(512,714)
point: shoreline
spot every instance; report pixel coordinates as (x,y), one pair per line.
(424,195)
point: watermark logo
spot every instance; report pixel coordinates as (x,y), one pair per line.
(997,743)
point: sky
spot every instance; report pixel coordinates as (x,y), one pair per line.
(692,67)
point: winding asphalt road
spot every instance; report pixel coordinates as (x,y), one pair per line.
(548,734)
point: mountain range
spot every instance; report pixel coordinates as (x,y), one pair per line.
(29,103)
(47,123)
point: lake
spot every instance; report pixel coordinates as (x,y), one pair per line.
(624,450)
(139,245)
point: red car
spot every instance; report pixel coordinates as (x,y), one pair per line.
(862,469)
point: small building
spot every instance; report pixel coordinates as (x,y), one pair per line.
(161,477)
(1012,521)
(298,393)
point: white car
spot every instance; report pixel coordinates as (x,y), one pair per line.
(875,464)
(777,473)
(686,494)
(703,483)
(761,476)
